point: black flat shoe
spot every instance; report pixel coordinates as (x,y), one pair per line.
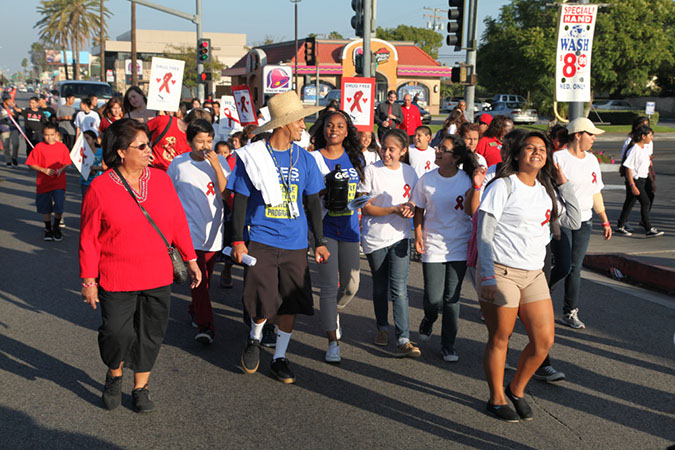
(522,408)
(503,412)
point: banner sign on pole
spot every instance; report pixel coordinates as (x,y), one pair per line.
(650,108)
(244,101)
(357,97)
(166,84)
(229,117)
(82,156)
(277,79)
(573,56)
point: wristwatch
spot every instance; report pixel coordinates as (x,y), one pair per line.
(320,242)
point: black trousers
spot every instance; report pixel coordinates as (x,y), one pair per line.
(133,328)
(629,202)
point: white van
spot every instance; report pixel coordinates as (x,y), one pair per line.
(80,89)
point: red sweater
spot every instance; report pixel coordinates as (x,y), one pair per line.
(411,119)
(490,148)
(117,243)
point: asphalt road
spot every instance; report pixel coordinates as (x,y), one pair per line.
(619,391)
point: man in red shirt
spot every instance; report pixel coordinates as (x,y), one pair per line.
(411,117)
(50,159)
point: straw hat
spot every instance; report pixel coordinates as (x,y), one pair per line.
(284,109)
(581,124)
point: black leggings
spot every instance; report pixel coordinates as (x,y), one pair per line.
(643,198)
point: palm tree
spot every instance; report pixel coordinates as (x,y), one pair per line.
(72,22)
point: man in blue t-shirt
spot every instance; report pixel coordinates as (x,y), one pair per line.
(278,285)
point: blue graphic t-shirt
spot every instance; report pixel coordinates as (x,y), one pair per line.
(98,161)
(274,226)
(343,225)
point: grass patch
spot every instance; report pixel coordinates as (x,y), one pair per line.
(624,129)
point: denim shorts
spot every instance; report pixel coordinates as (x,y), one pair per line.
(51,201)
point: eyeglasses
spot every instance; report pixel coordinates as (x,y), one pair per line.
(141,147)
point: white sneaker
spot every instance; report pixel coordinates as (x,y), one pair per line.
(338,330)
(333,353)
(572,319)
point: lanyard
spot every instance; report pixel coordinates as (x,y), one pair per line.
(287,184)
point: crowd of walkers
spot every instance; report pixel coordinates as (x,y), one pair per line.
(513,208)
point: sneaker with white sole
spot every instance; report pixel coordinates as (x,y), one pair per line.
(426,329)
(653,232)
(205,336)
(333,353)
(548,374)
(622,230)
(408,350)
(572,319)
(449,354)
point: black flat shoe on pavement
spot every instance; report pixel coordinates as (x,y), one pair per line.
(281,370)
(503,412)
(112,392)
(250,359)
(142,402)
(522,408)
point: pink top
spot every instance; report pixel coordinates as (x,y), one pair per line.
(117,243)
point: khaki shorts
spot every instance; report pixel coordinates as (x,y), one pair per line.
(517,287)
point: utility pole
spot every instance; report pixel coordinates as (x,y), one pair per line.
(435,25)
(367,17)
(576,109)
(134,72)
(470,89)
(102,52)
(297,87)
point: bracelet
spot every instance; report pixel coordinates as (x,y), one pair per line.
(238,242)
(477,187)
(92,284)
(605,224)
(488,278)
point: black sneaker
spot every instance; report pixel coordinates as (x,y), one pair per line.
(112,392)
(205,336)
(522,408)
(426,328)
(9,163)
(629,228)
(250,359)
(269,336)
(142,402)
(48,235)
(56,233)
(653,232)
(623,230)
(281,370)
(503,412)
(15,162)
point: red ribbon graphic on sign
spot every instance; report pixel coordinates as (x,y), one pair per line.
(357,101)
(406,190)
(595,178)
(460,203)
(548,217)
(211,188)
(83,156)
(230,119)
(243,105)
(165,84)
(428,166)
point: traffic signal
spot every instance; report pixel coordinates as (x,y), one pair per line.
(359,17)
(204,51)
(456,24)
(204,77)
(310,51)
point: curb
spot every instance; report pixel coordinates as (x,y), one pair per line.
(651,275)
(607,167)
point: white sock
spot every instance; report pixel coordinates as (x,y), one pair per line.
(282,344)
(256,329)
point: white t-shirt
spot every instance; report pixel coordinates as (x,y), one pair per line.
(89,121)
(370,157)
(637,160)
(585,177)
(197,188)
(522,222)
(649,147)
(422,161)
(447,227)
(480,159)
(388,187)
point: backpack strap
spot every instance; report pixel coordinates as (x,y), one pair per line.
(163,133)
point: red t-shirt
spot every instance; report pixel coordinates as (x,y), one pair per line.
(105,123)
(490,149)
(173,143)
(49,157)
(411,119)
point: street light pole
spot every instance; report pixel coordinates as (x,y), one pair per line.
(295,4)
(134,72)
(576,109)
(200,66)
(470,90)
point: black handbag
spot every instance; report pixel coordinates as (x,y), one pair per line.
(180,274)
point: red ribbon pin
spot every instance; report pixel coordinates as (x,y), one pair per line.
(230,119)
(460,203)
(548,217)
(357,101)
(243,105)
(428,166)
(211,188)
(165,84)
(406,190)
(595,178)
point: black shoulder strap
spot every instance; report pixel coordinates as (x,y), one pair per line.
(156,141)
(147,216)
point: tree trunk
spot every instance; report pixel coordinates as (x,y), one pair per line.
(76,58)
(65,62)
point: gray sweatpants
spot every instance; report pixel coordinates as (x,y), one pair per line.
(10,141)
(344,263)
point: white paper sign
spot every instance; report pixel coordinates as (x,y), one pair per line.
(573,55)
(82,156)
(229,117)
(650,108)
(244,103)
(166,83)
(357,100)
(265,112)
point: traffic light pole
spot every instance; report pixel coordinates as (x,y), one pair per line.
(367,17)
(470,90)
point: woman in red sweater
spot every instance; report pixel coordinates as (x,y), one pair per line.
(490,144)
(124,263)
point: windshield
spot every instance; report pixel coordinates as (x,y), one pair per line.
(84,90)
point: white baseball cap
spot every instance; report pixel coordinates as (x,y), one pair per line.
(581,124)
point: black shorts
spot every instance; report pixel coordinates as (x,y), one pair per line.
(278,284)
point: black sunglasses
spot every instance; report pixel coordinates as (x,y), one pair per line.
(141,147)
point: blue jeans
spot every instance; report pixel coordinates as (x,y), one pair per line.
(569,254)
(443,283)
(389,267)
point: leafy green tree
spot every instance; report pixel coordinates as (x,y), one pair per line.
(188,54)
(335,35)
(427,40)
(38,58)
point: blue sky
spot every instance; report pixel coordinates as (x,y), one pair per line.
(255,18)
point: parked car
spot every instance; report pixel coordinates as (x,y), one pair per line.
(80,89)
(515,110)
(507,98)
(612,105)
(450,103)
(332,95)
